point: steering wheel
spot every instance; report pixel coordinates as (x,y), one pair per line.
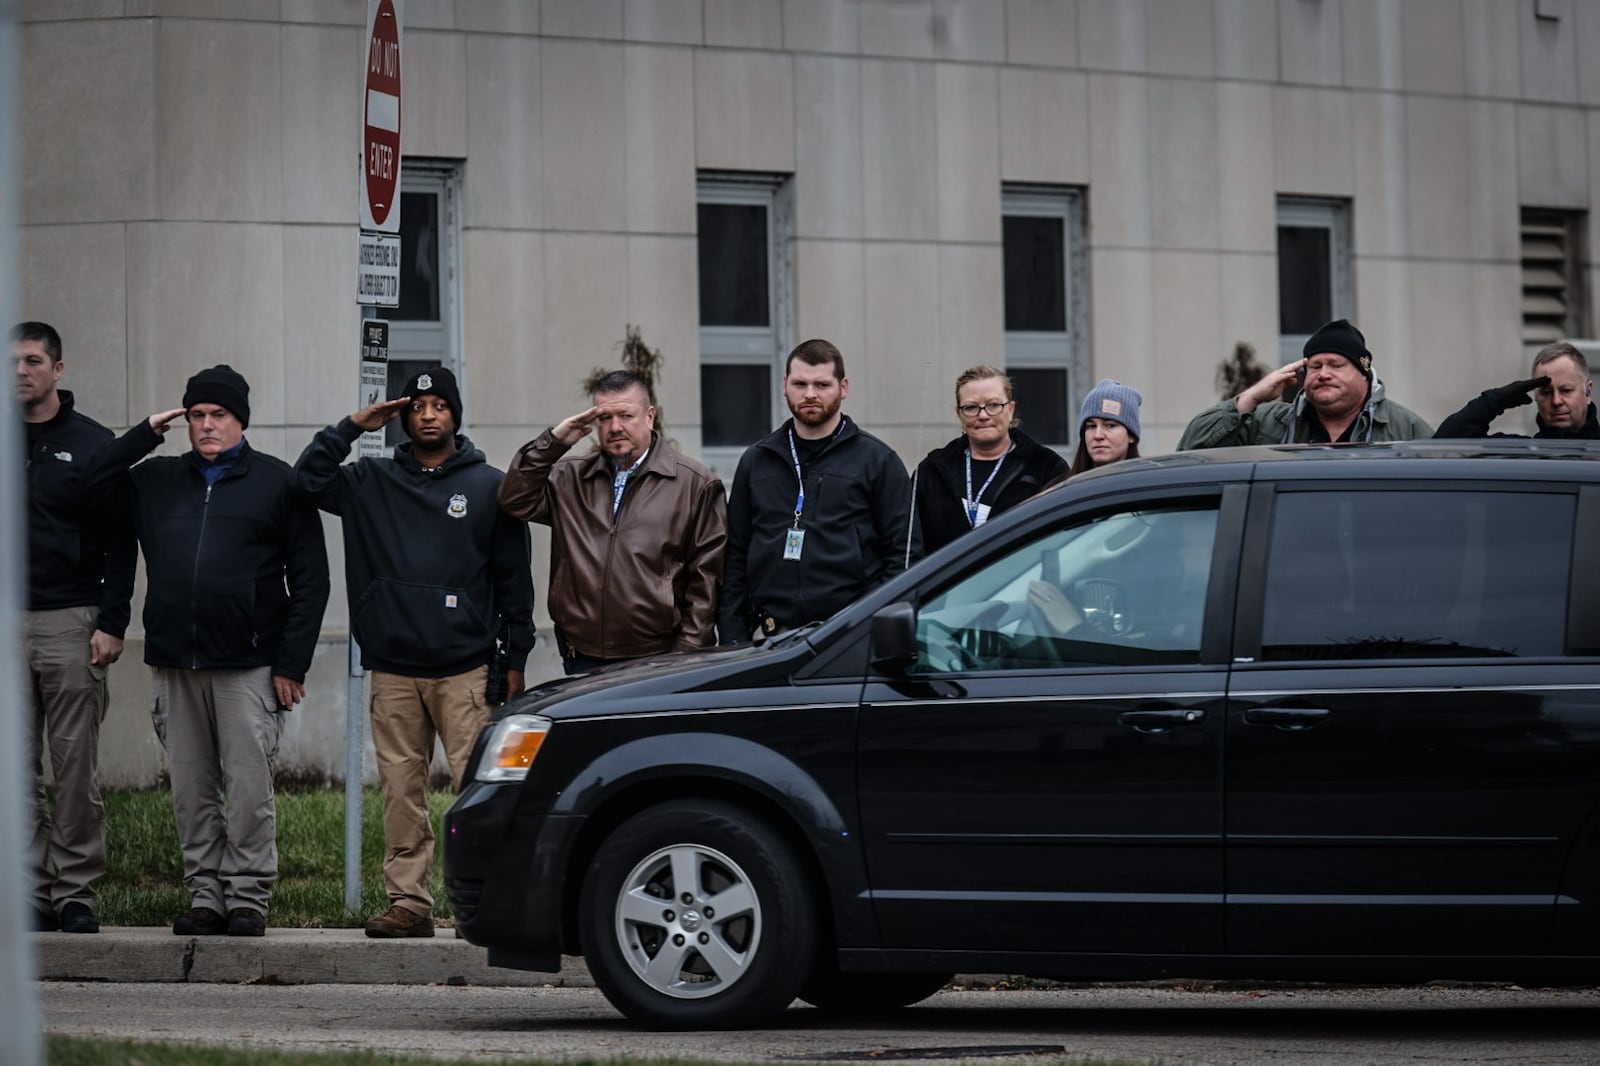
(945,650)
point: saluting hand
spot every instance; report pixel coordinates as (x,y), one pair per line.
(1268,388)
(380,414)
(161,422)
(571,430)
(1518,392)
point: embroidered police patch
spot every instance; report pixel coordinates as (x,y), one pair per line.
(458,506)
(424,382)
(65,457)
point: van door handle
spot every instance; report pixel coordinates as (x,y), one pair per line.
(1289,719)
(1161,721)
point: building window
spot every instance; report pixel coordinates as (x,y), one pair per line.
(1313,269)
(743,227)
(1553,307)
(425,329)
(1045,307)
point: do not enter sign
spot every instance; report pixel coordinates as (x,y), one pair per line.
(380,139)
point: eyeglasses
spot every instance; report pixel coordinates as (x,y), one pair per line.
(993,407)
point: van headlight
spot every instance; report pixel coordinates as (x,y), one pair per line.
(513,744)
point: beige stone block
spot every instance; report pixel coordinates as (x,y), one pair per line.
(321,149)
(585,306)
(1310,43)
(1378,125)
(86,112)
(253,10)
(75,278)
(1491,66)
(1494,200)
(744,111)
(1552,156)
(202,293)
(973,30)
(663,21)
(1185,171)
(503,341)
(504,139)
(1042,33)
(658,86)
(744,23)
(828,162)
(1593,121)
(1437,190)
(902,28)
(664,302)
(831,296)
(427,14)
(1044,126)
(972,330)
(584,127)
(1434,36)
(1375,44)
(1246,183)
(502,16)
(1441,338)
(579,18)
(822,26)
(1588,31)
(321,349)
(51,10)
(969,153)
(1111,35)
(1119,156)
(434,121)
(1495,355)
(1384,316)
(1549,55)
(1247,39)
(219,95)
(336,12)
(902,291)
(1180,37)
(1122,316)
(1305,122)
(1188,324)
(1248,311)
(900,145)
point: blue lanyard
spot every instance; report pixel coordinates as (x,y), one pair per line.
(971,500)
(619,482)
(800,498)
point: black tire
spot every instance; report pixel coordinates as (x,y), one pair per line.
(858,995)
(730,971)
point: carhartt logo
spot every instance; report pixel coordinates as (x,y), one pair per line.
(65,457)
(424,382)
(458,506)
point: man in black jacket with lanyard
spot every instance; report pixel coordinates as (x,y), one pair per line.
(81,557)
(238,579)
(434,572)
(819,513)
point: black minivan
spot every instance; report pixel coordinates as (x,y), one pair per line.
(1301,712)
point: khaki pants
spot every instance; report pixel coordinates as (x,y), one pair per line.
(221,730)
(67,848)
(407,714)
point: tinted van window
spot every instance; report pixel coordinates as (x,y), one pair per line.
(1402,574)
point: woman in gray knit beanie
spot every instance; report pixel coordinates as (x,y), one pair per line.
(1108,426)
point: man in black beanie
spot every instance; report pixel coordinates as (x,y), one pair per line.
(238,579)
(1340,400)
(434,573)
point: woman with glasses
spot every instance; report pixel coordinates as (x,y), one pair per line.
(991,467)
(1108,426)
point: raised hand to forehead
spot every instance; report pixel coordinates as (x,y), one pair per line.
(377,415)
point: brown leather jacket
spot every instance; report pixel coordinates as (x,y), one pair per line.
(645,584)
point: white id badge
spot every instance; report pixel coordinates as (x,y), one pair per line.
(793,541)
(982,515)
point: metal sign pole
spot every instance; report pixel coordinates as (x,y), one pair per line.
(354,745)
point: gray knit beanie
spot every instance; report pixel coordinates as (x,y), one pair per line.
(1115,401)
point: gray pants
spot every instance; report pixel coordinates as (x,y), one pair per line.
(221,730)
(67,849)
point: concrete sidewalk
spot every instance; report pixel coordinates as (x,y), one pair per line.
(283,956)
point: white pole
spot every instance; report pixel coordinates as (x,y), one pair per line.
(19,1010)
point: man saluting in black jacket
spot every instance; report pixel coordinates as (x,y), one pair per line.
(238,578)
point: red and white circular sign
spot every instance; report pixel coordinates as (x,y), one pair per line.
(380,140)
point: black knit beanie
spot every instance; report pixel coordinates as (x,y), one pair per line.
(223,386)
(435,381)
(1339,337)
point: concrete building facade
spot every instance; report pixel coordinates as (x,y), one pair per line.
(1073,188)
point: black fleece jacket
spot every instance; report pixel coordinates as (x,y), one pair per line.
(1472,421)
(81,549)
(238,571)
(432,567)
(941,485)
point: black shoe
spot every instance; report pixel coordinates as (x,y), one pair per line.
(78,918)
(200,921)
(242,921)
(45,921)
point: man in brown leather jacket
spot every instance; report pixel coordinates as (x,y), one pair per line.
(638,531)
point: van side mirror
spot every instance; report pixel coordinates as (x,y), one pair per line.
(894,638)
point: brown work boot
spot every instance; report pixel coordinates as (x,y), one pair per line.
(398,922)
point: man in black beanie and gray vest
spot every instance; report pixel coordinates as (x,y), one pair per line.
(238,579)
(434,573)
(1341,401)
